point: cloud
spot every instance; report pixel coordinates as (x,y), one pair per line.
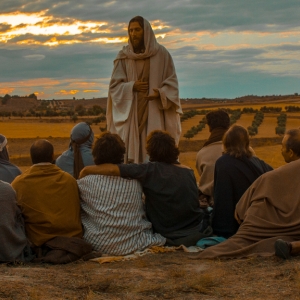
(34,57)
(70,46)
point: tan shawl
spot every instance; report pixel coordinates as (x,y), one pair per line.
(270,210)
(122,105)
(49,201)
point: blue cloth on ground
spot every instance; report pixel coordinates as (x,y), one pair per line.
(210,241)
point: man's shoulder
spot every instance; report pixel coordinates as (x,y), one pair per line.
(211,150)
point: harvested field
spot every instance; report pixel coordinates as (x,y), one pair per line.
(155,276)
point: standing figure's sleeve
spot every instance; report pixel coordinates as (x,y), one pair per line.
(120,96)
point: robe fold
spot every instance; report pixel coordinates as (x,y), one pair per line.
(49,201)
(269,210)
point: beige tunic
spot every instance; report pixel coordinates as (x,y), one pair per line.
(205,163)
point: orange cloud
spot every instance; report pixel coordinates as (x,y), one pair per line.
(65,92)
(91,91)
(4,91)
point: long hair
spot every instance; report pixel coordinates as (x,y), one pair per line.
(161,147)
(138,19)
(236,142)
(109,148)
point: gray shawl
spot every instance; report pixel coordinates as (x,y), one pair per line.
(12,236)
(8,171)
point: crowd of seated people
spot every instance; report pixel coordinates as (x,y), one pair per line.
(46,215)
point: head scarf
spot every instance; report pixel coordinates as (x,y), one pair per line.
(81,134)
(8,171)
(151,45)
(79,153)
(3,151)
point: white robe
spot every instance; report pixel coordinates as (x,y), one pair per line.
(163,114)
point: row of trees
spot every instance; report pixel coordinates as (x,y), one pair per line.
(8,97)
(281,122)
(195,129)
(191,113)
(258,119)
(270,109)
(292,108)
(44,110)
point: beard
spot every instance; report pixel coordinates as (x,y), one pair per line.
(138,45)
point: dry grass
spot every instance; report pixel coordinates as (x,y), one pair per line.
(167,276)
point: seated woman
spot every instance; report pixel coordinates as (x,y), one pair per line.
(113,216)
(170,189)
(13,241)
(235,171)
(8,171)
(79,153)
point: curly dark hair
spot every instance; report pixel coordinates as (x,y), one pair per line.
(218,118)
(161,147)
(108,149)
(236,142)
(293,141)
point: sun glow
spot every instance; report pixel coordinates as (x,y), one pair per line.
(39,24)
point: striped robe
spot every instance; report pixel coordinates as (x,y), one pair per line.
(113,216)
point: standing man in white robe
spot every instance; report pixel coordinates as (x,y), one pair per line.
(143,91)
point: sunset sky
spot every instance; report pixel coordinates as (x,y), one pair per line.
(221,48)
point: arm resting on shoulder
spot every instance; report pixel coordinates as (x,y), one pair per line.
(104,169)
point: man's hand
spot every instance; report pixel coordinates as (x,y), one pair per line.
(140,86)
(154,96)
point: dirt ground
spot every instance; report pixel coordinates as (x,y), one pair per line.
(155,276)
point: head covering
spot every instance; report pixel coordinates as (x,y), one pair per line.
(80,135)
(8,171)
(79,154)
(3,151)
(151,45)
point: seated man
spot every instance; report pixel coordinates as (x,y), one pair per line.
(235,171)
(113,217)
(79,153)
(8,171)
(218,123)
(48,198)
(12,235)
(170,188)
(290,152)
(268,210)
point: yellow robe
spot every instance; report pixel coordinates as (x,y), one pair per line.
(49,201)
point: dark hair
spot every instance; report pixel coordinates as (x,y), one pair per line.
(108,149)
(138,19)
(236,142)
(41,151)
(218,118)
(293,141)
(161,147)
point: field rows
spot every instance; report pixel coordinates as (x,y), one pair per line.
(266,129)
